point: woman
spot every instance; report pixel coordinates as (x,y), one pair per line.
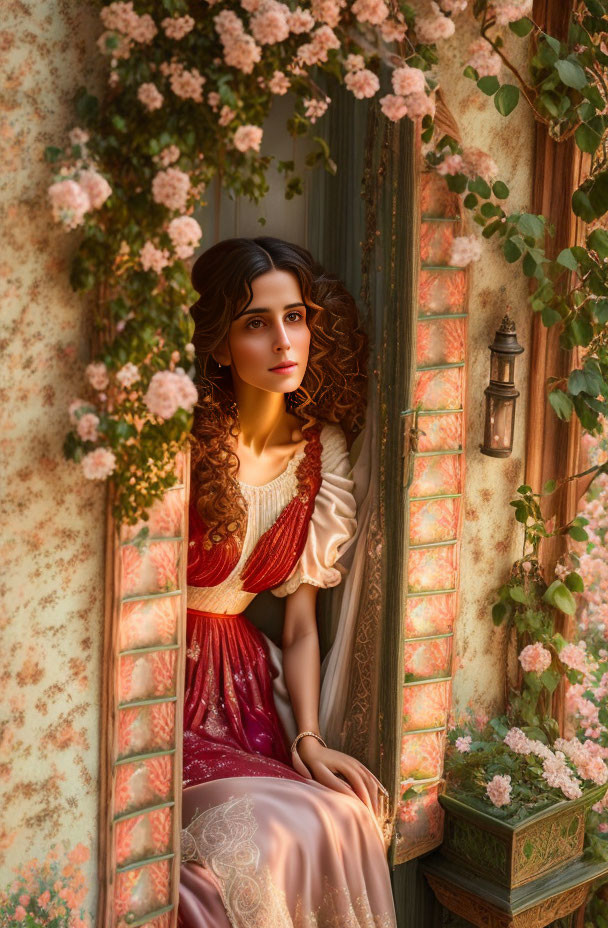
(273,837)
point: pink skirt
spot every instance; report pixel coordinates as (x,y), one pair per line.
(262,846)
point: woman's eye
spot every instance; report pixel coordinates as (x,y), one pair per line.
(252,324)
(298,315)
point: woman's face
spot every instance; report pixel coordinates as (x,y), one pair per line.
(268,342)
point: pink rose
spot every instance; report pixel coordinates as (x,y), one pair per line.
(171,188)
(393,107)
(499,790)
(168,391)
(408,80)
(150,96)
(534,658)
(69,203)
(465,249)
(153,259)
(95,186)
(370,11)
(98,464)
(248,138)
(279,83)
(269,24)
(485,61)
(185,234)
(177,27)
(128,374)
(362,83)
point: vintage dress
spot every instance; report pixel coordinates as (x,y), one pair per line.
(262,846)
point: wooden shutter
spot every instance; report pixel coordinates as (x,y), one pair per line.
(142,698)
(434,517)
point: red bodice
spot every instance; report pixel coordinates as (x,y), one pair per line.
(277,551)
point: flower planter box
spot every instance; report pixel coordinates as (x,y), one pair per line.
(513,855)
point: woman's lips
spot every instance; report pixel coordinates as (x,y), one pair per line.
(284,368)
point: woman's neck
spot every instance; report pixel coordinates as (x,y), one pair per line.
(263,419)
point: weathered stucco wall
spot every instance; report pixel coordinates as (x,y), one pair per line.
(491,538)
(52,518)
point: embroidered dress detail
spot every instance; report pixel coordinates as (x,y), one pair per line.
(263,846)
(274,557)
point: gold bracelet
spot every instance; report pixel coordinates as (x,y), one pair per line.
(303,734)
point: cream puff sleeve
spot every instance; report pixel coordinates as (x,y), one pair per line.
(333,521)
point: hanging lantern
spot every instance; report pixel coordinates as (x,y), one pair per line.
(501,394)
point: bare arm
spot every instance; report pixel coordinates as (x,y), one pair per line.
(301,666)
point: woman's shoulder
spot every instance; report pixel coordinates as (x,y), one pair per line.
(334,450)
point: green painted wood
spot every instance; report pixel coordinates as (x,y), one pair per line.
(145,809)
(135,758)
(146,860)
(152,701)
(143,919)
(151,538)
(518,900)
(142,597)
(149,648)
(448,365)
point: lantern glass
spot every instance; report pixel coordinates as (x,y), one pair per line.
(500,422)
(502,368)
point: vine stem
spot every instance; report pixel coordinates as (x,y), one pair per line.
(525,88)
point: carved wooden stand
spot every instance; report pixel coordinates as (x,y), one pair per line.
(485,904)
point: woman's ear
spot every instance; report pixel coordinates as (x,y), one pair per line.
(221,353)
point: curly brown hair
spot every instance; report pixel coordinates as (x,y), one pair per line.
(334,387)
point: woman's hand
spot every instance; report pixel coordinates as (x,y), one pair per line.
(328,767)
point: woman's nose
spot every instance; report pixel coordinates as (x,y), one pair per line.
(281,339)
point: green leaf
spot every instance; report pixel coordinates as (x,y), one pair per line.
(550,679)
(471,73)
(598,194)
(470,201)
(575,582)
(561,403)
(457,183)
(491,209)
(581,206)
(488,85)
(529,265)
(500,190)
(567,259)
(577,383)
(511,252)
(489,231)
(550,316)
(600,308)
(581,332)
(52,153)
(598,241)
(522,26)
(529,224)
(499,613)
(518,594)
(87,106)
(506,99)
(559,595)
(479,186)
(578,533)
(587,138)
(552,42)
(571,74)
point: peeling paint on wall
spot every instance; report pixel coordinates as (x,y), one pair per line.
(53,519)
(491,538)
